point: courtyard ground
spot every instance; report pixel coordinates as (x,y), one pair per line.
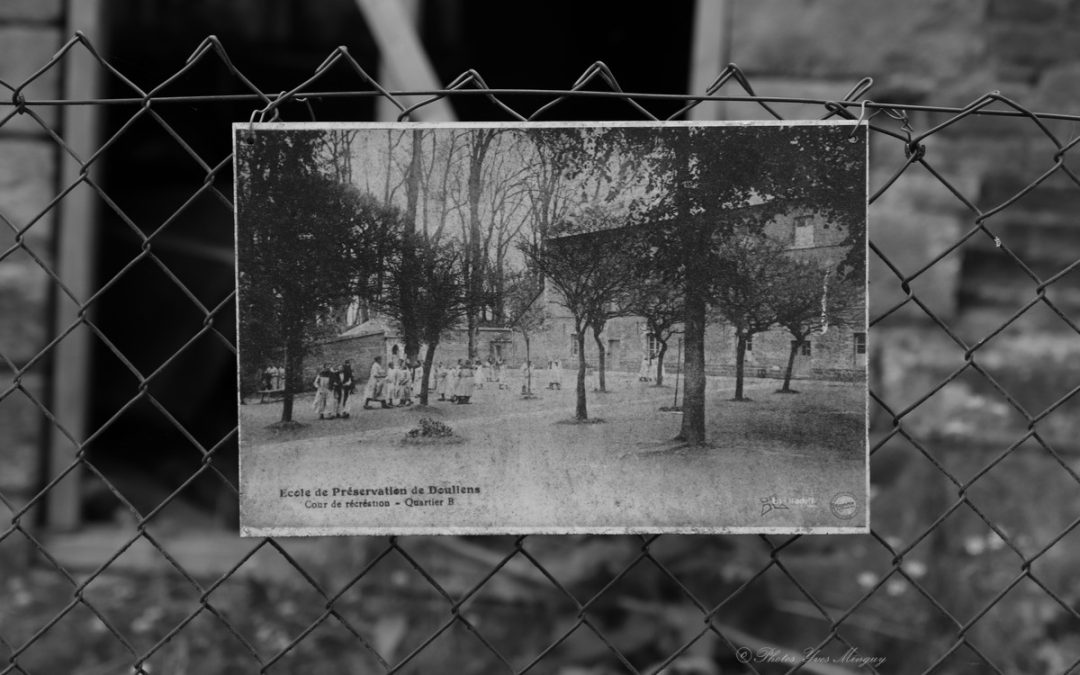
(775,462)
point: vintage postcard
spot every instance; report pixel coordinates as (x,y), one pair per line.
(552,327)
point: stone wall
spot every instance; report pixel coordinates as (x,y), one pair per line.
(453,346)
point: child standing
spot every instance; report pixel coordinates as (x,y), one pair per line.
(322,390)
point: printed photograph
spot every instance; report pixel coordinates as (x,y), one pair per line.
(552,327)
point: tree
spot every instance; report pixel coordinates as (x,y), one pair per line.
(526,311)
(304,243)
(589,177)
(661,306)
(435,276)
(581,268)
(619,246)
(813,298)
(726,180)
(478,144)
(441,298)
(747,291)
(409,263)
(548,191)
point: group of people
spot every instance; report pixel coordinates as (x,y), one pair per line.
(399,383)
(647,371)
(554,378)
(530,377)
(456,383)
(333,386)
(393,386)
(272,378)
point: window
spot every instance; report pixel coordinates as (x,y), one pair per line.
(805,351)
(804,232)
(652,346)
(860,343)
(749,343)
(573,345)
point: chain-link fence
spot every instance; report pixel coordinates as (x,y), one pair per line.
(940,585)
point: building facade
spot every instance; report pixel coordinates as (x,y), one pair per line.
(378,337)
(837,353)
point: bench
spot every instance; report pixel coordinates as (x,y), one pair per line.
(265,394)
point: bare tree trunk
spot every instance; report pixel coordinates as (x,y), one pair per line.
(660,362)
(294,365)
(410,329)
(602,386)
(477,152)
(795,344)
(389,155)
(429,358)
(582,412)
(740,356)
(498,310)
(695,280)
(528,359)
(693,423)
(471,329)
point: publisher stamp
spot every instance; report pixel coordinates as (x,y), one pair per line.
(774,502)
(844,505)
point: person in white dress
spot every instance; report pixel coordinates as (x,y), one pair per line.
(440,380)
(554,374)
(643,372)
(526,377)
(499,375)
(465,382)
(393,384)
(478,375)
(375,389)
(405,375)
(452,382)
(322,390)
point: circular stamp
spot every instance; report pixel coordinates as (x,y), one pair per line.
(843,505)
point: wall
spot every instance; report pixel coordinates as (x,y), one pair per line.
(832,355)
(453,346)
(362,351)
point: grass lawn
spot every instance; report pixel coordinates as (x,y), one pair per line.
(516,467)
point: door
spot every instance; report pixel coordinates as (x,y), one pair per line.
(613,354)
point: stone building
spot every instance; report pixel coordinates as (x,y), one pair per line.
(838,353)
(378,337)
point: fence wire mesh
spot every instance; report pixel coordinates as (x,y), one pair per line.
(706,593)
